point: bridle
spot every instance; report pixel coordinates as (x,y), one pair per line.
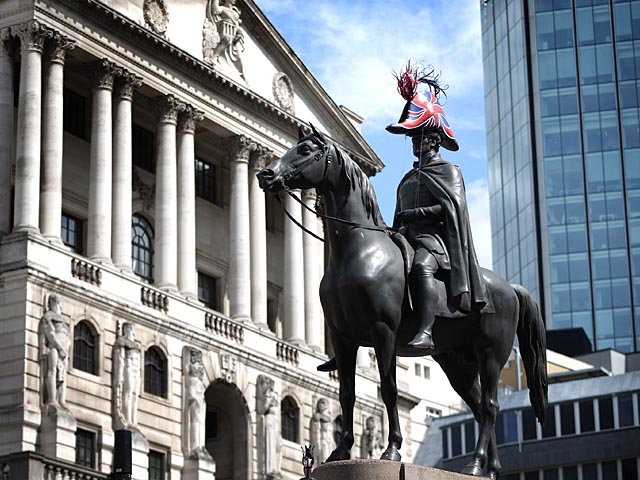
(324,153)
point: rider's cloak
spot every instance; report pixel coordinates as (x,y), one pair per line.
(444,182)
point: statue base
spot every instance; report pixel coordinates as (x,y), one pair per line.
(199,467)
(381,470)
(57,437)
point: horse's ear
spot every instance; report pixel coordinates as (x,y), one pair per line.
(302,132)
(318,134)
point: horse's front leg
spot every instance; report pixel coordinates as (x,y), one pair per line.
(345,352)
(385,348)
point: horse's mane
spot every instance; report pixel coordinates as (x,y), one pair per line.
(358,179)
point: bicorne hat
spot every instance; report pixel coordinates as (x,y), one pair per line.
(422,109)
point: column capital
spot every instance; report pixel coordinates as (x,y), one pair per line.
(240,148)
(32,35)
(168,107)
(7,42)
(260,157)
(188,118)
(126,83)
(102,73)
(58,46)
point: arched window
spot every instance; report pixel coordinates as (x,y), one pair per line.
(85,351)
(142,248)
(155,372)
(290,417)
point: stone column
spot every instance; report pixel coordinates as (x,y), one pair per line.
(122,171)
(258,161)
(187,272)
(166,241)
(312,248)
(239,230)
(6,127)
(103,74)
(52,136)
(293,273)
(27,188)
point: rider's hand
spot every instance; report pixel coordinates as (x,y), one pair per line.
(407,216)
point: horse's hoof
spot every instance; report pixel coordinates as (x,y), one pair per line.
(473,468)
(493,475)
(392,454)
(339,454)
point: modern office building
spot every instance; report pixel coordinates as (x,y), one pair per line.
(562,89)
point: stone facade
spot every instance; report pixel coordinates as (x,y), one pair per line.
(124,134)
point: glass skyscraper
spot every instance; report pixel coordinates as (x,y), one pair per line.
(562,89)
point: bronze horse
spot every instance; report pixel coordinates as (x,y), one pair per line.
(364,298)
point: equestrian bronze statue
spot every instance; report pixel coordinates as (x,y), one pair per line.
(415,289)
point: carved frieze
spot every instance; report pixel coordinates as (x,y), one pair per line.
(283,92)
(156,16)
(146,192)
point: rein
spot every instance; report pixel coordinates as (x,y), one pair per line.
(326,155)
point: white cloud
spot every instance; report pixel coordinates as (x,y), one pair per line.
(352,49)
(478,205)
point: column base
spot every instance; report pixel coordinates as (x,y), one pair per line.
(25,231)
(190,296)
(167,287)
(199,466)
(55,240)
(106,261)
(57,435)
(241,318)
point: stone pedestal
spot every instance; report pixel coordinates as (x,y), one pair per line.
(199,467)
(58,435)
(381,470)
(139,456)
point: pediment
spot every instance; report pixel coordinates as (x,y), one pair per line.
(237,40)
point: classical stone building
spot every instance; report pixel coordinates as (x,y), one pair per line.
(146,282)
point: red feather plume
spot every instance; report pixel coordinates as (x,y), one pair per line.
(408,81)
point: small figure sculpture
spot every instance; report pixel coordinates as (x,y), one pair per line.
(269,438)
(223,40)
(194,403)
(307,461)
(126,369)
(322,430)
(372,444)
(54,339)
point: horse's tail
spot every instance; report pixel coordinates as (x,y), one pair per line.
(533,347)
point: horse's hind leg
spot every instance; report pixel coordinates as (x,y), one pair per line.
(464,380)
(346,359)
(384,344)
(489,376)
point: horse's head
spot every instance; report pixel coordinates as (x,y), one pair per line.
(303,166)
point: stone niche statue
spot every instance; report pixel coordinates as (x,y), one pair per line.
(54,340)
(321,429)
(222,38)
(269,439)
(195,407)
(372,444)
(126,377)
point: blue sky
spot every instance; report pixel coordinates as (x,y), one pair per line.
(352,46)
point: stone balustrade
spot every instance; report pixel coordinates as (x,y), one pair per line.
(224,327)
(154,299)
(287,353)
(86,272)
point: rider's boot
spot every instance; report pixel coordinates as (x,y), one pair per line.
(426,299)
(328,366)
